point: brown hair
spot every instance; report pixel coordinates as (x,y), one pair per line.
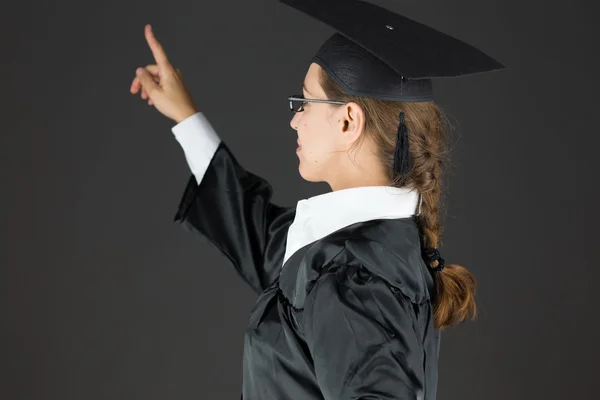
(427,136)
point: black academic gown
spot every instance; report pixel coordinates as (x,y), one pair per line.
(348,317)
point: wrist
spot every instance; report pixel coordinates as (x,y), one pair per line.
(185,115)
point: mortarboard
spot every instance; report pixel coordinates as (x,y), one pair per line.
(380,54)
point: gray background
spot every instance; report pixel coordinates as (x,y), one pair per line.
(104,297)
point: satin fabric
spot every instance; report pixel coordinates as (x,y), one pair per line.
(349,316)
(321,215)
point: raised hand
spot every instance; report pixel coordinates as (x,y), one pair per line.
(162,85)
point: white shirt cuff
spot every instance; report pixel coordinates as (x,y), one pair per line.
(199,142)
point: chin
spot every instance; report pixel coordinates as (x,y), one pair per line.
(309,176)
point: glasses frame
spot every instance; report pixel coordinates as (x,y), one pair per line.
(299,97)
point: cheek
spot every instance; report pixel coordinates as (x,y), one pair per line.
(315,141)
(316,152)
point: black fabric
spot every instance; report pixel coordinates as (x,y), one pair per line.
(231,208)
(348,316)
(360,73)
(381,54)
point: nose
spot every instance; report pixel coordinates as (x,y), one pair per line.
(294,121)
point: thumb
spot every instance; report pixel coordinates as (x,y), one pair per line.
(147,81)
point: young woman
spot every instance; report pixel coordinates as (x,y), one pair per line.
(352,290)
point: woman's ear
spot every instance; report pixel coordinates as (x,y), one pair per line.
(353,118)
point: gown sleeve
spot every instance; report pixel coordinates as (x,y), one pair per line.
(230,207)
(361,338)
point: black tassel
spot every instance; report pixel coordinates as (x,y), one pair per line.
(401,165)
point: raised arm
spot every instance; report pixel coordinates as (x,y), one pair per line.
(231,207)
(222,203)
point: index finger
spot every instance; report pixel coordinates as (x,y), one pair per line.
(157,50)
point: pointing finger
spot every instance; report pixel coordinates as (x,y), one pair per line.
(157,50)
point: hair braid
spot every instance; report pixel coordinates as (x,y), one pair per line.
(426,124)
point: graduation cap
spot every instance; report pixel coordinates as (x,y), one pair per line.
(383,55)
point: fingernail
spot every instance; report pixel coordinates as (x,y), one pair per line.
(138,71)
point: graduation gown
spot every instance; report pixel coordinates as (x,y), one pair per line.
(347,316)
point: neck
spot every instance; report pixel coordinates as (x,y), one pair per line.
(347,182)
(361,168)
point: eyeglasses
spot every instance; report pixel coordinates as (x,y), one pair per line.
(297,102)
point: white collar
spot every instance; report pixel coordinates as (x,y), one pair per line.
(318,216)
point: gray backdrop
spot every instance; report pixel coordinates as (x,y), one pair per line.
(104,297)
